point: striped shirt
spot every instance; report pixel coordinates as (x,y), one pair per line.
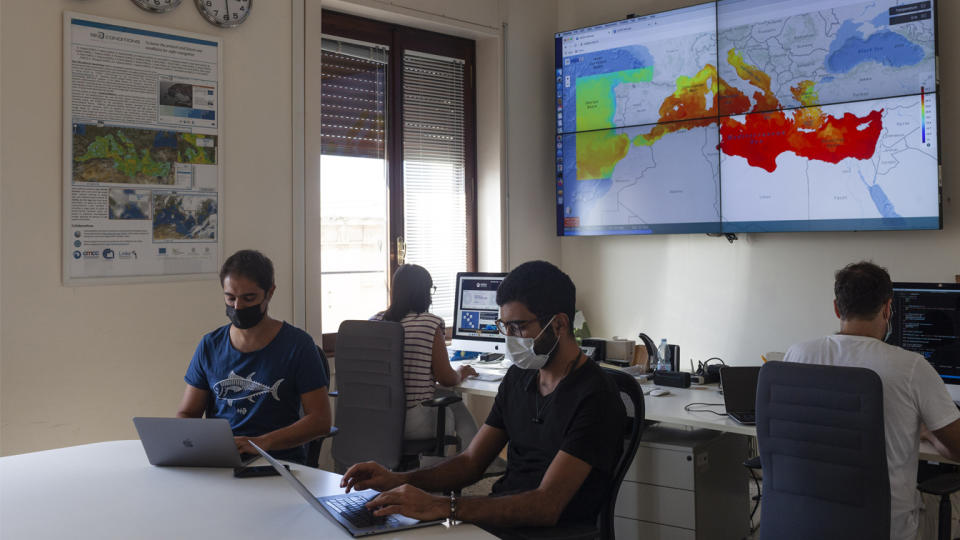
(419,330)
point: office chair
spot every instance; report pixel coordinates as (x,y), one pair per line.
(371,407)
(314,446)
(942,486)
(822,448)
(632,396)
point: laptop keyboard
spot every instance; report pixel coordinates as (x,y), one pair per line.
(352,508)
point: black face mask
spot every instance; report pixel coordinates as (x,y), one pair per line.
(245,318)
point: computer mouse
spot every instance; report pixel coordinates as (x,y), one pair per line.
(657,392)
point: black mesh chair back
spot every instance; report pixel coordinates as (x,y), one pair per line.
(821,438)
(632,396)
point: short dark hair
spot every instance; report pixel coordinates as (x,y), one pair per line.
(861,290)
(542,287)
(250,264)
(410,292)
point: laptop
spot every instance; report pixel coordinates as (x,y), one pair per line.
(740,393)
(189,442)
(348,508)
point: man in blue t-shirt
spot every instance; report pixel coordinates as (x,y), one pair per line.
(257,371)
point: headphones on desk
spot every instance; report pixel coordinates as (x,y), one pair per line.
(710,372)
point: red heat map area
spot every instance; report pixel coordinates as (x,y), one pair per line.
(760,138)
(762,132)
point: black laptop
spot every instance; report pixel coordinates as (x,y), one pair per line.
(740,392)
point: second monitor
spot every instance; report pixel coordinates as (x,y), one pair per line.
(475,312)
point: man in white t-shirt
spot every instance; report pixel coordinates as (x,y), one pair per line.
(914,397)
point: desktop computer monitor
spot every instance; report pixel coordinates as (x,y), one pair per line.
(926,320)
(475,312)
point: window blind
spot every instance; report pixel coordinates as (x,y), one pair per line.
(434,196)
(353,98)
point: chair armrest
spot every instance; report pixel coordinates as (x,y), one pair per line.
(941,485)
(441,401)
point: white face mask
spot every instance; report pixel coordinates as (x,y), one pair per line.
(520,350)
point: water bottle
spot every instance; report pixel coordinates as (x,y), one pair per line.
(662,363)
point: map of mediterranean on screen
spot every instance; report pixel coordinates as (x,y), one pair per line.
(750,115)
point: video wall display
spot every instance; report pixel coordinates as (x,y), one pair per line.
(750,116)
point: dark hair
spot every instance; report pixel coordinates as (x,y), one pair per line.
(542,287)
(410,292)
(250,264)
(861,290)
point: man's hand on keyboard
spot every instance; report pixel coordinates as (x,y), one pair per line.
(411,502)
(369,475)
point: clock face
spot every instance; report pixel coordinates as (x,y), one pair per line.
(225,13)
(158,6)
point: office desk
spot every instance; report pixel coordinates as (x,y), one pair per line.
(669,409)
(108,490)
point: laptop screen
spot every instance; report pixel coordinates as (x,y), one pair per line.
(740,387)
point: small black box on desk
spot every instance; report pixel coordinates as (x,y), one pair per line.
(676,379)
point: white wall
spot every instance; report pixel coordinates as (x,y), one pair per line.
(79,362)
(765,291)
(531,225)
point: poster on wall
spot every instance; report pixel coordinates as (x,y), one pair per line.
(142,181)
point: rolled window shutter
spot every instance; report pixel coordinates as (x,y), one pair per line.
(353,99)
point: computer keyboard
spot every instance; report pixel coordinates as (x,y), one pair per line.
(352,508)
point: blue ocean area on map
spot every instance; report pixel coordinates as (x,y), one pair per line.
(130,211)
(883,19)
(165,139)
(880,199)
(183,222)
(596,63)
(850,49)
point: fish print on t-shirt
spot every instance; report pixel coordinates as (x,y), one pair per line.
(236,388)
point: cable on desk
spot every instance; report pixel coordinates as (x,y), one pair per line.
(688,408)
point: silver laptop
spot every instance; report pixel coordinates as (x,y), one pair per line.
(189,442)
(348,508)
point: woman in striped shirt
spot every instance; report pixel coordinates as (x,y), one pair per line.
(425,357)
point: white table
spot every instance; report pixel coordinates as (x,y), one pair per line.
(670,409)
(108,490)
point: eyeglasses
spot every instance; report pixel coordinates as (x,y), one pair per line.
(513,328)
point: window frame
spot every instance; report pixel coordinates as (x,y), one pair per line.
(400,38)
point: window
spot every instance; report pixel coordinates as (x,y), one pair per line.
(398,163)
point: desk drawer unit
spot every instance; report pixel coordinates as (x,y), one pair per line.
(685,484)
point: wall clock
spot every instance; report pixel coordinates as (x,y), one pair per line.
(157,6)
(225,13)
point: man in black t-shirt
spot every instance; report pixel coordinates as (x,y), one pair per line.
(561,415)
